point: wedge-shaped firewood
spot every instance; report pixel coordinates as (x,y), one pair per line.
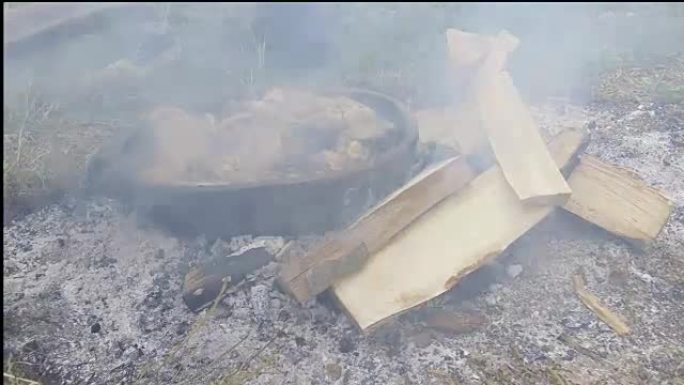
(204,283)
(460,124)
(305,276)
(493,106)
(592,303)
(454,238)
(610,197)
(617,200)
(468,50)
(517,144)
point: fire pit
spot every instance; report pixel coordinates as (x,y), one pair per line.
(310,203)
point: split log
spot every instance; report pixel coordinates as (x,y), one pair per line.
(456,237)
(460,126)
(346,252)
(493,106)
(613,198)
(516,142)
(467,51)
(203,283)
(617,200)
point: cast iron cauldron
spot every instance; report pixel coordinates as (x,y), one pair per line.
(294,207)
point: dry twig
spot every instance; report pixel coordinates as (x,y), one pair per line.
(19,380)
(592,302)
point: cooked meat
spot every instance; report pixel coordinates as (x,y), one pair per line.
(288,133)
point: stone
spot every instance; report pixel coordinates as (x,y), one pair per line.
(514,270)
(333,371)
(490,300)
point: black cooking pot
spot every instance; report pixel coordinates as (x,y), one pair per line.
(291,207)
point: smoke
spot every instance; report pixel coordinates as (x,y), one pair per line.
(208,58)
(563,46)
(205,56)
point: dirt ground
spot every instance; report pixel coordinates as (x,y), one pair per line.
(92,292)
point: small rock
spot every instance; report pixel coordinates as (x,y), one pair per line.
(334,371)
(514,270)
(495,286)
(95,328)
(300,341)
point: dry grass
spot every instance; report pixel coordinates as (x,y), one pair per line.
(628,83)
(16,380)
(44,153)
(215,372)
(10,375)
